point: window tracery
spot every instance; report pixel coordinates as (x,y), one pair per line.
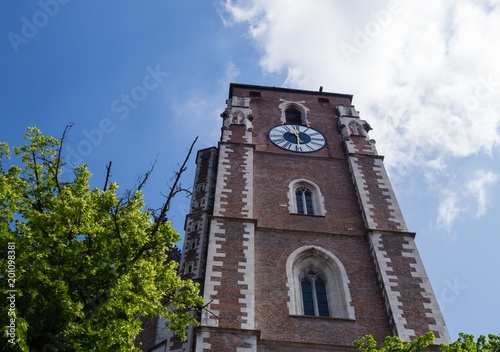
(314,294)
(318,284)
(305,198)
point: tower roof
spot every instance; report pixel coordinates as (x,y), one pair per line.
(301,91)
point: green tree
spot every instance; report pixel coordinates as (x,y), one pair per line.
(466,343)
(86,262)
(394,344)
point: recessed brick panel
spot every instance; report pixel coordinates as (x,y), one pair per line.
(272,177)
(272,314)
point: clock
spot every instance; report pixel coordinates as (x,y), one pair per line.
(297,138)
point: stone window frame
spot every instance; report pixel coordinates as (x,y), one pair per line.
(318,200)
(189,268)
(332,272)
(298,105)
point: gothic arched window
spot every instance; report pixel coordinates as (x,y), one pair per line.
(318,284)
(305,198)
(294,112)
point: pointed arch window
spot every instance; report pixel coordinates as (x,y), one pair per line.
(294,112)
(305,198)
(318,284)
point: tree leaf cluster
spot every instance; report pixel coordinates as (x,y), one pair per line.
(464,343)
(88,263)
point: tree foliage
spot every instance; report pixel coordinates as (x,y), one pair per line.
(87,262)
(394,344)
(465,343)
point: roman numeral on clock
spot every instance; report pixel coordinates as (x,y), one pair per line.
(279,140)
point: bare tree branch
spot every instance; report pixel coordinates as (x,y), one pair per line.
(174,188)
(108,174)
(146,175)
(158,221)
(204,309)
(59,152)
(160,218)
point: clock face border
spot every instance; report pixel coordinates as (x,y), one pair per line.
(311,139)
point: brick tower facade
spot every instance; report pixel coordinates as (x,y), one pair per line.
(295,233)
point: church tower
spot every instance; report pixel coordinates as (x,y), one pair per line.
(295,233)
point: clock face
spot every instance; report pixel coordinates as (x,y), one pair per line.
(297,138)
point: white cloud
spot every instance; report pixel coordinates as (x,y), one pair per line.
(463,198)
(478,187)
(424,73)
(230,75)
(240,12)
(418,75)
(448,211)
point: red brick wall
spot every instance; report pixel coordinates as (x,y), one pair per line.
(226,340)
(273,176)
(380,201)
(321,117)
(259,263)
(273,320)
(230,308)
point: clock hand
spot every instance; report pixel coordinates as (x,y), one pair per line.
(296,133)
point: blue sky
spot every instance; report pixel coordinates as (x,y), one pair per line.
(141,79)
